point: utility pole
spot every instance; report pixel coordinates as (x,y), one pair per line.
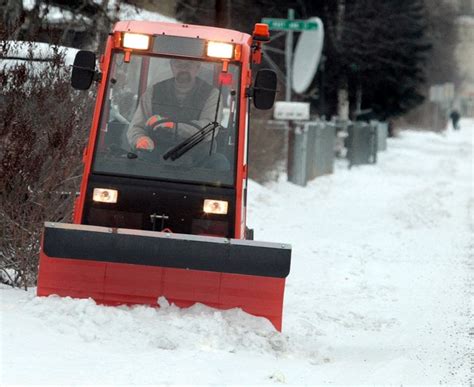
(322,85)
(296,134)
(222,9)
(343,87)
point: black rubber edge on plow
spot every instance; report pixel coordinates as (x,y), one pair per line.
(242,257)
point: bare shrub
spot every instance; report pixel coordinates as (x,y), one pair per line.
(267,148)
(43,129)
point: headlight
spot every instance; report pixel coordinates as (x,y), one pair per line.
(104,195)
(215,207)
(136,41)
(220,50)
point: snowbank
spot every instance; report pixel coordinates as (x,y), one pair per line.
(37,50)
(126,12)
(379,291)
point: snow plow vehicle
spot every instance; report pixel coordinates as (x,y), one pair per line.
(162,204)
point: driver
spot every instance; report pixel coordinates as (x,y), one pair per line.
(183,100)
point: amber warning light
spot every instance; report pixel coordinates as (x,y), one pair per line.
(261,32)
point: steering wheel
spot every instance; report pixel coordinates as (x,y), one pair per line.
(162,121)
(165,138)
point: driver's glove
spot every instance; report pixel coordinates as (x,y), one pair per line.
(144,143)
(152,125)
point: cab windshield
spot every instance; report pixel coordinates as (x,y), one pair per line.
(169,119)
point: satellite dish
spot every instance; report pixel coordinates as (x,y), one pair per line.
(307,56)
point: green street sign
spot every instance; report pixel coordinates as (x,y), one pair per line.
(290,25)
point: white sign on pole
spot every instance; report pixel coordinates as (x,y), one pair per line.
(442,92)
(291,110)
(448,89)
(435,93)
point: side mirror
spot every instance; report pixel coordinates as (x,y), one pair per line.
(83,70)
(264,90)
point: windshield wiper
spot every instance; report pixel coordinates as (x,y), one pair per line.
(184,146)
(196,138)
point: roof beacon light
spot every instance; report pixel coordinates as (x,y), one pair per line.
(261,32)
(220,50)
(136,41)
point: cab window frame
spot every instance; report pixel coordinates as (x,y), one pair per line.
(146,57)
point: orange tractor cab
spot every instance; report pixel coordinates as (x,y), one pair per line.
(162,205)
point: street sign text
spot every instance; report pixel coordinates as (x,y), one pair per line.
(290,25)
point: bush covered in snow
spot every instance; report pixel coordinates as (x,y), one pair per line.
(43,129)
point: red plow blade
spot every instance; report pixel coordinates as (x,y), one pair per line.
(121,266)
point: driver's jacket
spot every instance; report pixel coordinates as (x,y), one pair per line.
(198,106)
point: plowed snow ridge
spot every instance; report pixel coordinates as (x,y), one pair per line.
(379,291)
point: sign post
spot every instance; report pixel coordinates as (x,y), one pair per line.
(289,25)
(289,55)
(291,111)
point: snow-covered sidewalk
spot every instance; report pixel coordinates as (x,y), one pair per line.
(380,291)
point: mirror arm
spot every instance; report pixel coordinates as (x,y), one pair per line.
(97,76)
(266,89)
(256,52)
(82,68)
(249,91)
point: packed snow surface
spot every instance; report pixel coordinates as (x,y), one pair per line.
(380,291)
